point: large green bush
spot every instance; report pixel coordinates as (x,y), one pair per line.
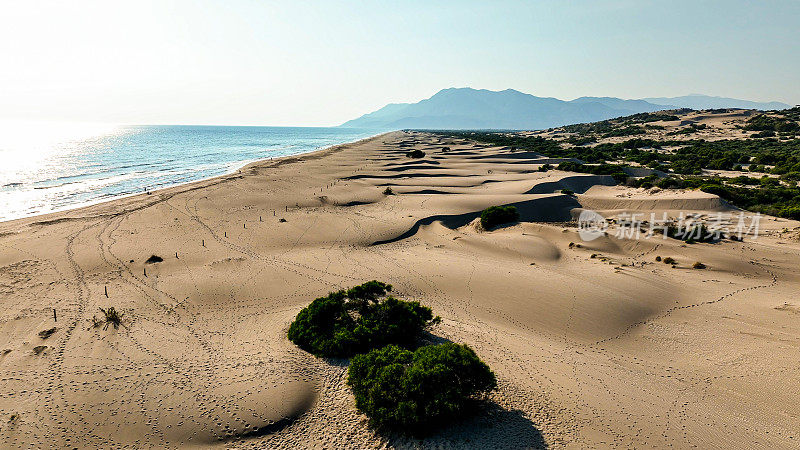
(498,215)
(416,391)
(344,323)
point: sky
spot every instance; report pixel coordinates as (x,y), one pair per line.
(303,63)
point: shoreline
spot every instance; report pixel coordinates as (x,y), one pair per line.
(45,218)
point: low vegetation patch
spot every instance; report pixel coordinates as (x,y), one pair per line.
(765,122)
(111,317)
(626,131)
(670,260)
(356,320)
(615,170)
(498,215)
(698,265)
(388,191)
(414,392)
(696,232)
(415,154)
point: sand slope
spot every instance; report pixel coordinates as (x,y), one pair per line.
(611,351)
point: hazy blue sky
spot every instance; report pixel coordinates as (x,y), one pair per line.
(321,63)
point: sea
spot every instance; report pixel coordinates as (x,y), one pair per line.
(48,167)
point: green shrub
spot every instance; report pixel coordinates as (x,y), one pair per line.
(581,140)
(416,391)
(698,265)
(356,320)
(791,212)
(498,215)
(669,260)
(744,180)
(415,154)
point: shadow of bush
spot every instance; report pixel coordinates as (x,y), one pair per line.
(489,425)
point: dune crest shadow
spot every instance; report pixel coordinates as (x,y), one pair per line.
(553,208)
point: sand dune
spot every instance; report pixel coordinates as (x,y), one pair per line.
(605,198)
(579,184)
(594,345)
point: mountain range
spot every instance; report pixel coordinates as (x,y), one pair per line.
(467,108)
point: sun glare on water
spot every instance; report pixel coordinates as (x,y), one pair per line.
(33,153)
(28,148)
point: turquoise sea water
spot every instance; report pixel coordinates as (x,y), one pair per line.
(51,167)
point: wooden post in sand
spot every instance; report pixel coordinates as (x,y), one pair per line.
(105,290)
(55,319)
(204,242)
(226,234)
(245,225)
(145,271)
(176,255)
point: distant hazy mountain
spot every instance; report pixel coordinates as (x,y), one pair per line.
(467,108)
(698,101)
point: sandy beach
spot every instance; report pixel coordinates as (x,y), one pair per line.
(594,345)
